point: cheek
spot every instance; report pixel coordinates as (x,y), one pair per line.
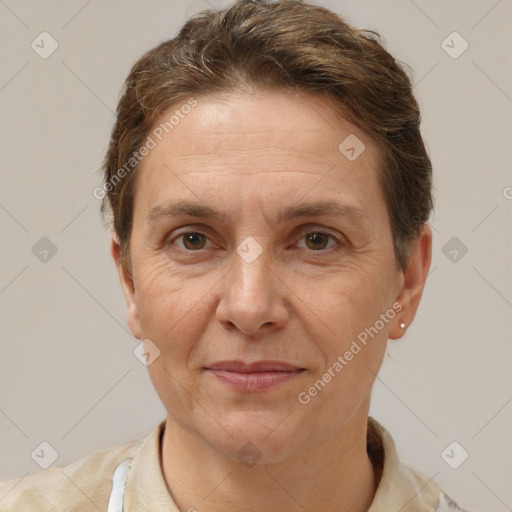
(173,316)
(352,351)
(349,302)
(171,308)
(351,347)
(354,314)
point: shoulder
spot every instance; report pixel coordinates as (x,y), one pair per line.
(430,494)
(83,485)
(402,487)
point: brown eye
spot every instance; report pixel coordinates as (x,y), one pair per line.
(193,241)
(317,241)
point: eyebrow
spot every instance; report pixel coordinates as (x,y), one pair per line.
(314,209)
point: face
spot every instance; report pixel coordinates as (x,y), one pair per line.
(260,253)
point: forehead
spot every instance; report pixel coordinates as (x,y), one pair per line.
(259,144)
(301,122)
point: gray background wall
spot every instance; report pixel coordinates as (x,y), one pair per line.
(68,374)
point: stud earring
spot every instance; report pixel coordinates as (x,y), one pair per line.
(402,325)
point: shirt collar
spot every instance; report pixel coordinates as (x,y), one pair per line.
(146,488)
(400,488)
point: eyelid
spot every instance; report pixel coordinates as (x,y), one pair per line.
(301,230)
(177,235)
(338,238)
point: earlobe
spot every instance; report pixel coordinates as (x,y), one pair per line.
(414,277)
(128,288)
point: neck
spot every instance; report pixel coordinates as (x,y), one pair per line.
(334,475)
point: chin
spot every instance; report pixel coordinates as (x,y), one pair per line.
(261,436)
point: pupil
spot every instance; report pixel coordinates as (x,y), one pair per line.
(315,238)
(193,238)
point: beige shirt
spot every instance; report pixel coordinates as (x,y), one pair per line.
(86,484)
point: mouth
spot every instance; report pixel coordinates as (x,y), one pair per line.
(254,377)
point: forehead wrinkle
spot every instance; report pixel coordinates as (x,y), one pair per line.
(312,209)
(314,153)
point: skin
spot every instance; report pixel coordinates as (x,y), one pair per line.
(250,154)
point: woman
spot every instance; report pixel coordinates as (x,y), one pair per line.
(270,193)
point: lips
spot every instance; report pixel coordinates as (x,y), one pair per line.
(258,366)
(253,377)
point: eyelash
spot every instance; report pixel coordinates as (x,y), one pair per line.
(338,241)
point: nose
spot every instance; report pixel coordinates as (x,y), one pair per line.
(253,299)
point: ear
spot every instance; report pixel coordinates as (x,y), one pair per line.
(128,286)
(414,277)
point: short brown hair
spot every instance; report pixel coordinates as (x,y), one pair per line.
(284,43)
